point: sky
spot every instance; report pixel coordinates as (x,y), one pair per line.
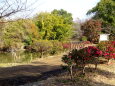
(78,8)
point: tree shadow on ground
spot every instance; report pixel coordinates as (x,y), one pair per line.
(19,75)
(90,83)
(87,80)
(104,73)
(100,84)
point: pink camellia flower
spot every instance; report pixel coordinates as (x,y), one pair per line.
(114,54)
(98,53)
(105,54)
(101,52)
(88,50)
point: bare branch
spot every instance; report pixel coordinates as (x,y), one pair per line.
(10,8)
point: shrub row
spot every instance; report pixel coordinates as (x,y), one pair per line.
(108,49)
(46,47)
(89,55)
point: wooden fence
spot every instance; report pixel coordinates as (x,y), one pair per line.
(80,45)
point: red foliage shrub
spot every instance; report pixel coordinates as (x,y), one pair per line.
(91,29)
(82,56)
(108,49)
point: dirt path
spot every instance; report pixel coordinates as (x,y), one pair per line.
(20,74)
(42,69)
(103,76)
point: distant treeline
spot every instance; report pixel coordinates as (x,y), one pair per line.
(38,33)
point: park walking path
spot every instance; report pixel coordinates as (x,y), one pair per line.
(24,73)
(40,70)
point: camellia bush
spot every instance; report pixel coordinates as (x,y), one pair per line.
(108,49)
(82,57)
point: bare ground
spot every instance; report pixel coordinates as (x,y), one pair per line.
(47,72)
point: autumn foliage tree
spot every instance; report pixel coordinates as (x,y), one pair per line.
(30,31)
(91,29)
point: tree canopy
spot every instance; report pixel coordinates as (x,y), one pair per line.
(91,29)
(67,16)
(44,26)
(105,11)
(54,26)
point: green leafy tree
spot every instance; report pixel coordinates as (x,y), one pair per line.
(67,16)
(45,23)
(17,34)
(52,26)
(13,35)
(105,11)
